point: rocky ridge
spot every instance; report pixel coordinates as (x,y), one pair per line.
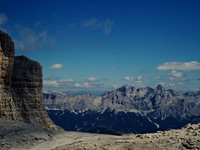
(126,109)
(129,99)
(21,87)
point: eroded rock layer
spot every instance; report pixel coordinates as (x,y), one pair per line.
(21,87)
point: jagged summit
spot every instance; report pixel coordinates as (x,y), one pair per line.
(126,109)
(159,87)
(126,87)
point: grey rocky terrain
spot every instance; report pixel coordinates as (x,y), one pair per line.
(21,136)
(186,138)
(17,135)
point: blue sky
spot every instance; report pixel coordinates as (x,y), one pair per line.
(99,45)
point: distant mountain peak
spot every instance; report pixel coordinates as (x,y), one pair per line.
(126,86)
(159,87)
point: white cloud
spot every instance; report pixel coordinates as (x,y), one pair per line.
(162,83)
(175,74)
(138,81)
(77,85)
(157,78)
(91,79)
(57,66)
(129,78)
(115,86)
(181,66)
(86,85)
(51,83)
(66,80)
(172,78)
(180,83)
(139,77)
(3,18)
(172,84)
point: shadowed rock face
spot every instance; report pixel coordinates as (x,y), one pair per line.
(6,67)
(21,87)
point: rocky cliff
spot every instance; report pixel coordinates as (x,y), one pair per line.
(21,87)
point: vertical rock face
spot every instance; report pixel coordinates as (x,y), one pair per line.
(6,67)
(21,87)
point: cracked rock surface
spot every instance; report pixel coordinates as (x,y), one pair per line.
(21,87)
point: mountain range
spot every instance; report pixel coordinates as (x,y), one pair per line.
(126,109)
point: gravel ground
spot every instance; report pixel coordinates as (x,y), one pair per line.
(20,136)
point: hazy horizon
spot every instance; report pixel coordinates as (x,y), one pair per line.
(99,46)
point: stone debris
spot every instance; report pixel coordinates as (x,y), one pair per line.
(17,135)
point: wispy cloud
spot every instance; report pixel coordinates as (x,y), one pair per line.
(43,35)
(162,83)
(129,78)
(139,80)
(175,74)
(108,25)
(157,78)
(91,79)
(172,84)
(52,78)
(57,83)
(51,83)
(94,24)
(3,18)
(115,86)
(77,85)
(181,66)
(57,66)
(84,85)
(30,40)
(66,80)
